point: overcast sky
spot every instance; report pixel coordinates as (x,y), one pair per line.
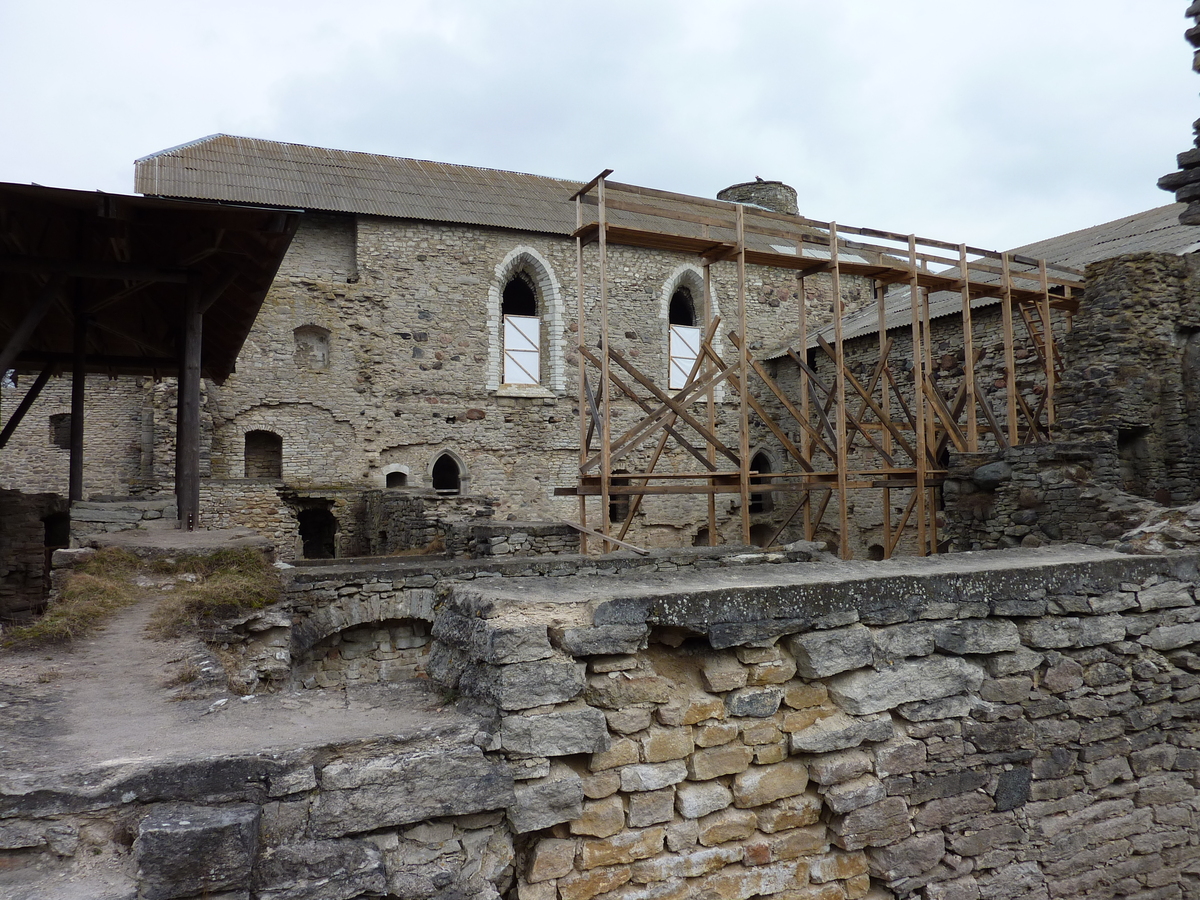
(993,123)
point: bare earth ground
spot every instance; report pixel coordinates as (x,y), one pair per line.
(107,699)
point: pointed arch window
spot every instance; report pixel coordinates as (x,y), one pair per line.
(684,340)
(446,475)
(522,331)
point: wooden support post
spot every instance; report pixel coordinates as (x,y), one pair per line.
(712,403)
(743,372)
(1010,362)
(78,388)
(605,386)
(1047,347)
(840,392)
(584,418)
(968,353)
(807,445)
(922,461)
(885,407)
(187,439)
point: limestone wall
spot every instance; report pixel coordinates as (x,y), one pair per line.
(966,729)
(987,726)
(23,562)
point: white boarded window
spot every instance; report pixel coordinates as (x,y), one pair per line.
(685,347)
(522,350)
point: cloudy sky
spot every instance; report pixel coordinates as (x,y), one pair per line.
(991,123)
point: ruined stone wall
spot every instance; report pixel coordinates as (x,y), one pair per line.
(23,583)
(989,727)
(38,459)
(961,731)
(1133,372)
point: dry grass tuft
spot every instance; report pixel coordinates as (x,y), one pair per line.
(95,590)
(227,583)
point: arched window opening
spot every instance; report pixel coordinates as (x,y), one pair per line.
(684,341)
(683,309)
(875,552)
(264,455)
(522,331)
(312,347)
(318,533)
(397,480)
(702,537)
(447,479)
(760,501)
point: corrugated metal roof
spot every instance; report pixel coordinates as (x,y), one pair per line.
(250,170)
(1153,231)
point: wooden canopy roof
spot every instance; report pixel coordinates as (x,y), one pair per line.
(127,265)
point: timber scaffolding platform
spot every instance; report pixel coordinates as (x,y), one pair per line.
(908,423)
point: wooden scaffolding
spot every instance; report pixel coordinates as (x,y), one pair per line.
(897,416)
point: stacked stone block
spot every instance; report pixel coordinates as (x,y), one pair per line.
(368,654)
(23,582)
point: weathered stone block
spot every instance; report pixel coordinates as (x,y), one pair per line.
(653,776)
(876,825)
(600,818)
(1020,660)
(690,709)
(587,884)
(1172,637)
(551,858)
(663,744)
(791,812)
(820,654)
(713,762)
(903,641)
(899,757)
(722,672)
(618,689)
(183,850)
(622,752)
(726,825)
(367,795)
(841,765)
(760,785)
(555,734)
(837,867)
(524,685)
(540,804)
(600,639)
(1164,595)
(840,732)
(716,734)
(697,799)
(977,636)
(320,870)
(622,849)
(908,858)
(651,808)
(870,691)
(799,695)
(758,702)
(691,865)
(858,792)
(1069,631)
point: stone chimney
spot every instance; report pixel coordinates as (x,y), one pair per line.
(773,195)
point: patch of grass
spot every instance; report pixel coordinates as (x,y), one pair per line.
(95,590)
(226,583)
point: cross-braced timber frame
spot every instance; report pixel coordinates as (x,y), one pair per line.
(902,416)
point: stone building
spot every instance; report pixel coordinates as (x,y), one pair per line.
(417,348)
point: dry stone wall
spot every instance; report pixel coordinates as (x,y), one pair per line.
(23,554)
(968,729)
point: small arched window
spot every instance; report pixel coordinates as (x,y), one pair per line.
(446,476)
(264,455)
(522,331)
(684,341)
(760,501)
(396,479)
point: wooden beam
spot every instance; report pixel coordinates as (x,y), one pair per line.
(78,389)
(187,445)
(29,323)
(607,538)
(70,268)
(27,401)
(587,188)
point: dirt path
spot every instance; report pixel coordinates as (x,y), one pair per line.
(107,699)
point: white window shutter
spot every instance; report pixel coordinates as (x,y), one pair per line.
(683,350)
(522,350)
